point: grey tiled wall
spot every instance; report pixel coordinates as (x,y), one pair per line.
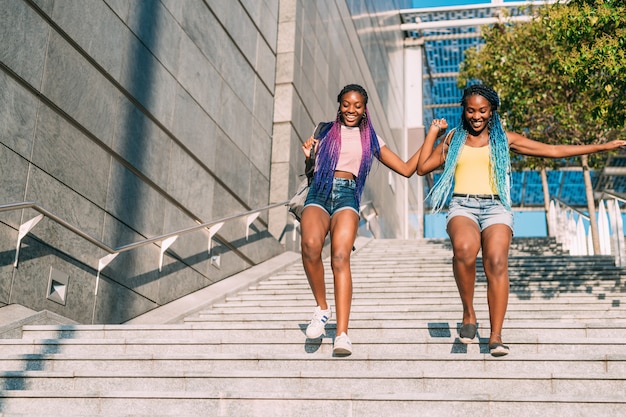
(130,119)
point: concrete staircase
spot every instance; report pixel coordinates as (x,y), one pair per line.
(246,354)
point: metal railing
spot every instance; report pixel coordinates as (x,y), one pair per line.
(164,240)
(566,224)
(618,246)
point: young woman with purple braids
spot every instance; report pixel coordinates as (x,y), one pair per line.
(344,157)
(476,160)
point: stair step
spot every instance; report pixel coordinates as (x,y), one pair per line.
(167,403)
(246,353)
(316,357)
(402,343)
(294,381)
(277,330)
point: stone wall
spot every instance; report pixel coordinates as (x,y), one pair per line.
(129,120)
(134,119)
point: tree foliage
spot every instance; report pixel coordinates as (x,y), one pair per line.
(561,77)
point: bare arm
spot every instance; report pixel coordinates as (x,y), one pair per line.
(432,157)
(391,160)
(524,146)
(388,157)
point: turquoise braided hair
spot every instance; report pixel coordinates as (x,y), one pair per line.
(438,195)
(500,159)
(498,152)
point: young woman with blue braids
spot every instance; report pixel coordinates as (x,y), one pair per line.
(345,153)
(477,165)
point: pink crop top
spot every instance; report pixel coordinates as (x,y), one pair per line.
(351,151)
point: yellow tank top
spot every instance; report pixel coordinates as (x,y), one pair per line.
(472,172)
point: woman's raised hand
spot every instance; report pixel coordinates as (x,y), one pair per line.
(307,145)
(441,124)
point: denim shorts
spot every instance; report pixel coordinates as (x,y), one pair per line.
(485,211)
(342,197)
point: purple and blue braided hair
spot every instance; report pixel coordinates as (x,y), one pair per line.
(330,146)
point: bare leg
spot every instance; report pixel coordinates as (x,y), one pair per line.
(465,237)
(496,242)
(343,228)
(315,225)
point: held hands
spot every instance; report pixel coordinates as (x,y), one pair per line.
(307,146)
(441,126)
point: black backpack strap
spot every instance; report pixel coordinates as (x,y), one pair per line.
(320,131)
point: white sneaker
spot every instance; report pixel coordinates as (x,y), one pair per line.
(343,345)
(316,327)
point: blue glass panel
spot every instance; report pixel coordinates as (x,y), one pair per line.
(533,195)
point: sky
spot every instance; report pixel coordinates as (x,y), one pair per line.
(442,3)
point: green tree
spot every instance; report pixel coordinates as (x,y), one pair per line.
(561,78)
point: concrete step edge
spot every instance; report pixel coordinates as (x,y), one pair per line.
(306,374)
(356,357)
(321,396)
(254,340)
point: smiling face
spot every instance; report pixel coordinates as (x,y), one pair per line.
(477,112)
(352,108)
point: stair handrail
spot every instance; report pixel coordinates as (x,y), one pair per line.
(165,240)
(572,208)
(44,212)
(568,233)
(612,195)
(618,244)
(609,216)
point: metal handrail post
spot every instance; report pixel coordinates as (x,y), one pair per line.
(164,240)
